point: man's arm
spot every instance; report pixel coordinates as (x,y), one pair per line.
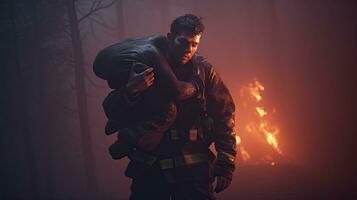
(221,108)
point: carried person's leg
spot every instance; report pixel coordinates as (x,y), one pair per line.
(146,135)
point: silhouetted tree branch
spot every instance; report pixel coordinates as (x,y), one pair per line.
(96,6)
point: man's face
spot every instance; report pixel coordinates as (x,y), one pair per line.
(183,47)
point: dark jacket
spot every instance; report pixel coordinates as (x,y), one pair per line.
(218,104)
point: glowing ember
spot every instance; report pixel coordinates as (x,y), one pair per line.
(255,90)
(261,111)
(270,135)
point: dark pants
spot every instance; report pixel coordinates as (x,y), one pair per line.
(153,185)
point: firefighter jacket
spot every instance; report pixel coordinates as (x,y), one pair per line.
(188,139)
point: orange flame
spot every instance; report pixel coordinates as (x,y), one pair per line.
(261,111)
(262,125)
(270,135)
(244,153)
(238,140)
(255,89)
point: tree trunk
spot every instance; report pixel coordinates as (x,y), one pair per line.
(87,149)
(44,122)
(22,111)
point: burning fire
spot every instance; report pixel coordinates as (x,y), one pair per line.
(244,153)
(260,124)
(261,111)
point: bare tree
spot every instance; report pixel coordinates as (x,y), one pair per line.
(80,86)
(44,123)
(22,119)
(87,149)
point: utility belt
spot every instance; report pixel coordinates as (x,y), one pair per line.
(184,160)
(178,137)
(170,163)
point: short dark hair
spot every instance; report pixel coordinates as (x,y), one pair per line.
(187,23)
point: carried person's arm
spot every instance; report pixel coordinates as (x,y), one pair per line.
(120,101)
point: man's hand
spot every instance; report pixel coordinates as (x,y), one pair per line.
(141,80)
(222,183)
